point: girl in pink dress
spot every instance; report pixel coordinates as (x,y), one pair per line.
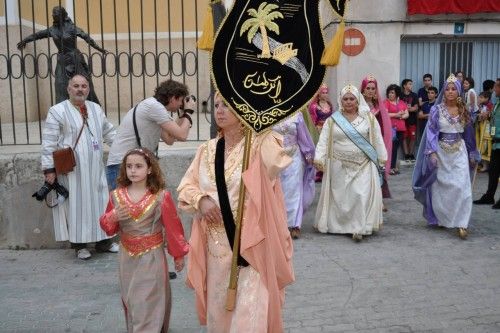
(141,211)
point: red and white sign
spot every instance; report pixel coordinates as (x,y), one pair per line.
(354,42)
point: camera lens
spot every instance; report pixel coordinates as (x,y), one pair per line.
(41,194)
(61,190)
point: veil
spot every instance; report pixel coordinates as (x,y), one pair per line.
(363,107)
(385,120)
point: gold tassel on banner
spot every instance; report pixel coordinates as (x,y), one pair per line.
(206,40)
(331,54)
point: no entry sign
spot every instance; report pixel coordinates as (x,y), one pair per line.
(354,42)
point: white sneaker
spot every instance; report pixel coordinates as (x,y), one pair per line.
(114,248)
(83,254)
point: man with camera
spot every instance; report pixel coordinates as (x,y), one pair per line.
(150,120)
(82,126)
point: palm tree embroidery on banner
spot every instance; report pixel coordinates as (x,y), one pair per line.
(262,19)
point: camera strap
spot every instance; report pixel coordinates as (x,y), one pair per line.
(79,134)
(137,137)
(83,113)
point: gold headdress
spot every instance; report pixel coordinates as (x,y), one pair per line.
(452,78)
(370,77)
(349,89)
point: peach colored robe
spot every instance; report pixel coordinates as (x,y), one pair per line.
(265,240)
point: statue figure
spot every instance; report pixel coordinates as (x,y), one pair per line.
(70,60)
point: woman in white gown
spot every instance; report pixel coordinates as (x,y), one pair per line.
(445,161)
(351,152)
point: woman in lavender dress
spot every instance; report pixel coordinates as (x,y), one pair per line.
(446,159)
(297,180)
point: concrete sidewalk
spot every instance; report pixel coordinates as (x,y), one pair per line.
(407,278)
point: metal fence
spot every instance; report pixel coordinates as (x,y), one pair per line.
(147,42)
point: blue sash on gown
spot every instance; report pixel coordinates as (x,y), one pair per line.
(359,140)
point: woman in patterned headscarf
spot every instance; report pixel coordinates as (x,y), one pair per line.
(351,153)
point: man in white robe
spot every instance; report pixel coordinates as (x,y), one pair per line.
(77,218)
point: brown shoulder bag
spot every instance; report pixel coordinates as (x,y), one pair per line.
(64,159)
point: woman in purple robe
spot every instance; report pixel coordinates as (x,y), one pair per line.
(297,180)
(446,160)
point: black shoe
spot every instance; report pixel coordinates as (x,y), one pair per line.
(172,275)
(485,200)
(497,205)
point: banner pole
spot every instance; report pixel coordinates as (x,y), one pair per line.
(233,279)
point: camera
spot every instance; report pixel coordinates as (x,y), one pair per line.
(42,193)
(190,97)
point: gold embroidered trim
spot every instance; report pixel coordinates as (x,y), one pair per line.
(139,245)
(135,210)
(233,163)
(132,254)
(354,157)
(450,148)
(216,229)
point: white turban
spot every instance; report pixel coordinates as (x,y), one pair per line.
(362,105)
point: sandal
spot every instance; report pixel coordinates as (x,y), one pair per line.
(393,172)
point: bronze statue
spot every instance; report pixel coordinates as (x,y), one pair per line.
(70,60)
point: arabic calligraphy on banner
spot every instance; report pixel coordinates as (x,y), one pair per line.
(260,85)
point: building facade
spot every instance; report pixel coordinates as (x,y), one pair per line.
(399,45)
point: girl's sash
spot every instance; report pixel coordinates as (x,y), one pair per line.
(359,140)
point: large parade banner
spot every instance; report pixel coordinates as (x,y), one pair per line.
(433,7)
(266,59)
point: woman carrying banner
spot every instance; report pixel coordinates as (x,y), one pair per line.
(210,190)
(369,89)
(446,160)
(352,154)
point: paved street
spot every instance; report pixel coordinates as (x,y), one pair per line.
(407,278)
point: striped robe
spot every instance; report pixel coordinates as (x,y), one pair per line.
(77,218)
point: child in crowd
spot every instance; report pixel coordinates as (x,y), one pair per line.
(423,93)
(483,138)
(398,112)
(471,100)
(141,211)
(411,101)
(423,114)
